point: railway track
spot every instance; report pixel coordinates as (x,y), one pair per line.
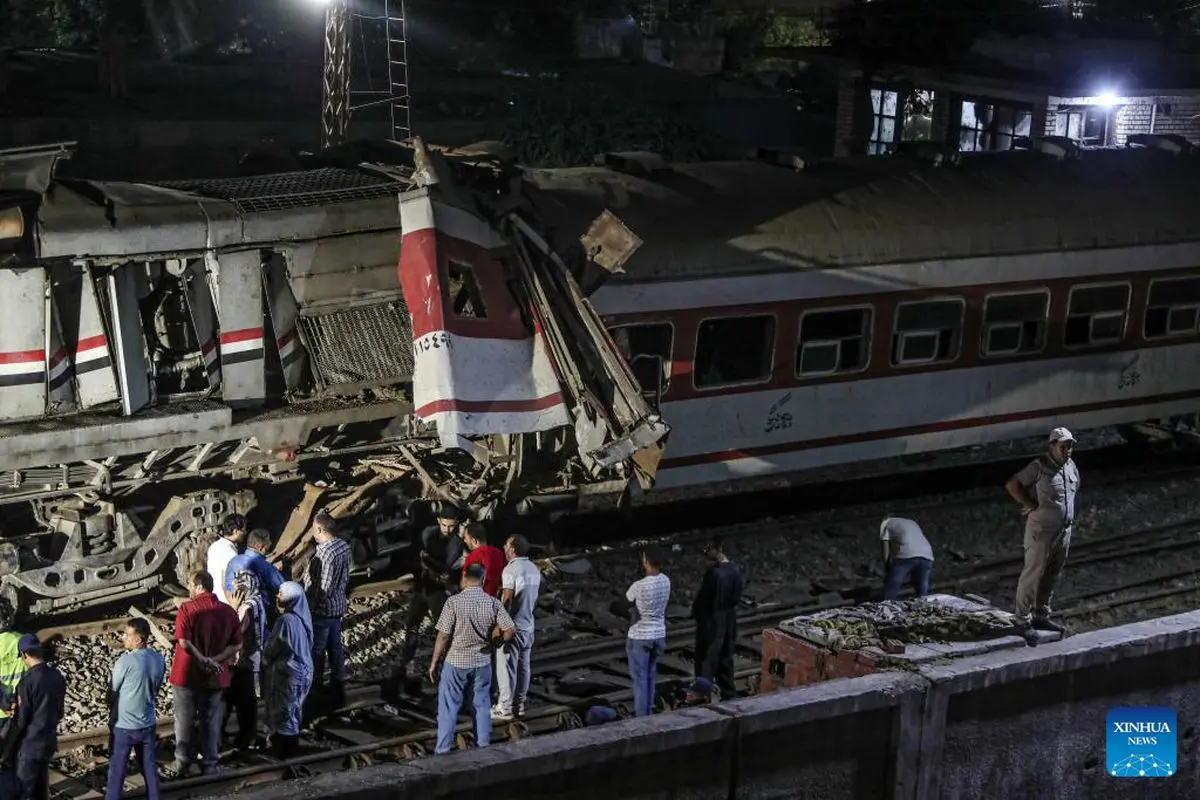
(572,675)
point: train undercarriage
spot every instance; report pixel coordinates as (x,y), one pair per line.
(177,353)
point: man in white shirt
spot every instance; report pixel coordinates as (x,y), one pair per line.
(222,551)
(519,586)
(906,554)
(647,638)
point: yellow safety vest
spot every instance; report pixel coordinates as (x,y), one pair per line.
(12,667)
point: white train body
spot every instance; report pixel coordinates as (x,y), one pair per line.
(890,310)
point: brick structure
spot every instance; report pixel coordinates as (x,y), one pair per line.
(789,661)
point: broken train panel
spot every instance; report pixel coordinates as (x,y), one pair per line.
(505,343)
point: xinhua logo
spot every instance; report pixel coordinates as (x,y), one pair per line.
(1140,742)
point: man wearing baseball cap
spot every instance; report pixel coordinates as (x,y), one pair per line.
(1046,490)
(41,697)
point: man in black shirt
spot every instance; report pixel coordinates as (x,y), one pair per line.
(41,695)
(715,612)
(439,568)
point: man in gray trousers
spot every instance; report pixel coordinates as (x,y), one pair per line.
(1046,490)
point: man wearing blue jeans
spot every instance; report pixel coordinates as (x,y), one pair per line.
(137,678)
(470,627)
(647,637)
(907,554)
(328,584)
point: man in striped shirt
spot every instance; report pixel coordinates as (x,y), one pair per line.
(327,583)
(647,637)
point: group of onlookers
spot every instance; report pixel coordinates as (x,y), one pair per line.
(244,634)
(481,600)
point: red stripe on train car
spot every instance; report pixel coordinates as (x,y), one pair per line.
(489,406)
(244,335)
(915,430)
(22,356)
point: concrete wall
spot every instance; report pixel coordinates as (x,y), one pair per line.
(1009,725)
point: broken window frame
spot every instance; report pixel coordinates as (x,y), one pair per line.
(987,328)
(1171,309)
(471,281)
(769,361)
(901,338)
(867,329)
(665,364)
(1097,316)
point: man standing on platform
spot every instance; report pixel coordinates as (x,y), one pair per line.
(1046,490)
(715,612)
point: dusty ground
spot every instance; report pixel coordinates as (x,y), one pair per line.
(784,560)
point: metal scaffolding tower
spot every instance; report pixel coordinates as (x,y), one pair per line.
(383,36)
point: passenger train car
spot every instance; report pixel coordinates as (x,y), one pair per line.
(868,309)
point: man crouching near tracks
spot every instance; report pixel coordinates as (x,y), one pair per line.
(1046,490)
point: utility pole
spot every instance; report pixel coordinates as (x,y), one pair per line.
(338,100)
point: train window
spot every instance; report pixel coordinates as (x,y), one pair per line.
(732,350)
(465,297)
(833,341)
(647,350)
(1173,308)
(1014,323)
(1096,314)
(927,331)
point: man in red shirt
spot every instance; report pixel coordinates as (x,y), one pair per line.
(474,536)
(208,636)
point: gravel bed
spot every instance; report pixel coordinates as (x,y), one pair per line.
(781,564)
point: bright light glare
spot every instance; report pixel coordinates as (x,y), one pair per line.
(1108,99)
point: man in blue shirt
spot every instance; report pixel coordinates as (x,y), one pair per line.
(258,542)
(137,678)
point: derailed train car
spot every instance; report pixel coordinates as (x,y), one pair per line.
(405,318)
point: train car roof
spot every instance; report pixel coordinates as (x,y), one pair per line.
(744,217)
(81,218)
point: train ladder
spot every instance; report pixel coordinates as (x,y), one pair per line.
(399,100)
